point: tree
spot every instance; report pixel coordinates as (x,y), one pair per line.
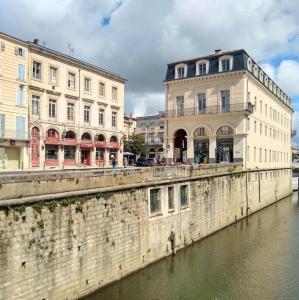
(135,144)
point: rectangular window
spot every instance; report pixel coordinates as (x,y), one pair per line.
(260,154)
(113,119)
(248,149)
(254,126)
(261,128)
(248,124)
(202,69)
(37,70)
(261,107)
(225,65)
(101,116)
(225,100)
(161,126)
(155,201)
(70,111)
(71,80)
(170,198)
(21,96)
(53,75)
(19,51)
(184,195)
(20,127)
(266,130)
(181,72)
(35,105)
(52,108)
(2,125)
(114,93)
(21,72)
(265,155)
(87,84)
(102,89)
(201,102)
(86,113)
(180,105)
(266,110)
(254,153)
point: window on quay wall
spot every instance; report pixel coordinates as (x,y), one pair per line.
(155,201)
(184,195)
(170,198)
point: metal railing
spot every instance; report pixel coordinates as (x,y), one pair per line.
(14,135)
(214,109)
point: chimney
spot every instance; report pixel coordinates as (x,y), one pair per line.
(36,41)
(218,51)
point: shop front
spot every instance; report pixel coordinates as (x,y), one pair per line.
(52,144)
(86,146)
(100,145)
(69,143)
(113,147)
(224,145)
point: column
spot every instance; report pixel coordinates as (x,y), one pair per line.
(169,150)
(77,156)
(238,149)
(42,154)
(212,149)
(106,158)
(190,149)
(93,157)
(61,157)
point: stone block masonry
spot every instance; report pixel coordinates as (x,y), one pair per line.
(66,246)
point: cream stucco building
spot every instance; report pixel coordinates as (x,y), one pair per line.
(74,109)
(224,108)
(129,125)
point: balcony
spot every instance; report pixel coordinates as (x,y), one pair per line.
(14,135)
(214,109)
(154,142)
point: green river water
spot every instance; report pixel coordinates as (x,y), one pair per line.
(257,258)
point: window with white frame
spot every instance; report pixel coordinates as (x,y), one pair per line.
(35,105)
(53,75)
(184,195)
(202,68)
(52,108)
(201,101)
(180,105)
(225,63)
(21,96)
(102,89)
(225,100)
(20,51)
(71,80)
(37,70)
(114,93)
(21,72)
(86,113)
(87,84)
(114,119)
(101,116)
(70,111)
(180,71)
(155,201)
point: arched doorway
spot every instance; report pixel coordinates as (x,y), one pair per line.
(180,146)
(35,147)
(86,146)
(100,150)
(224,145)
(201,145)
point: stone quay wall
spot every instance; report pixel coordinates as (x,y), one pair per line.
(57,244)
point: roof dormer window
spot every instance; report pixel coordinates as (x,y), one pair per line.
(261,76)
(180,71)
(225,63)
(256,71)
(202,67)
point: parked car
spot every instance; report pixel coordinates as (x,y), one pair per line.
(151,162)
(141,162)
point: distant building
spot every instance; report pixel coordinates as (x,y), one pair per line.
(129,125)
(152,128)
(73,110)
(224,108)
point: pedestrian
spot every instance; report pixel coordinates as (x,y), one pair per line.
(125,162)
(113,162)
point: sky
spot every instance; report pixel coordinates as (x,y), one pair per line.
(137,38)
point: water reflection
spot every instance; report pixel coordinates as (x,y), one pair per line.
(256,258)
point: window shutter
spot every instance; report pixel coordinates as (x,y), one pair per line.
(20,127)
(21,72)
(2,46)
(20,97)
(16,50)
(23,52)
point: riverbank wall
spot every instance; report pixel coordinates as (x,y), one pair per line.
(62,236)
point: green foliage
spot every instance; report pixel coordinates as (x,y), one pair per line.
(135,144)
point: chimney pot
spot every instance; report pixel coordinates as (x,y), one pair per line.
(36,41)
(218,51)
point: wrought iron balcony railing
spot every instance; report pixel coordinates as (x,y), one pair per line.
(14,135)
(214,109)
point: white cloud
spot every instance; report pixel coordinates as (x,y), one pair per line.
(143,35)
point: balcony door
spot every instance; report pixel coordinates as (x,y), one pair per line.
(180,105)
(201,102)
(225,101)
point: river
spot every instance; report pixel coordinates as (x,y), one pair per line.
(257,258)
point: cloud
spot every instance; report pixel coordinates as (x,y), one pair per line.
(139,37)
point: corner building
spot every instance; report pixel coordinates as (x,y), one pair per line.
(223,108)
(76,111)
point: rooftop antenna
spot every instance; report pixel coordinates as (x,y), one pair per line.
(71,50)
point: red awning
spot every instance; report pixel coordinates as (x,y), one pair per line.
(86,145)
(100,144)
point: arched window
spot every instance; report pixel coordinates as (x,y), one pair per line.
(180,71)
(225,130)
(256,71)
(201,131)
(261,76)
(52,133)
(86,137)
(249,64)
(70,135)
(113,139)
(101,138)
(35,132)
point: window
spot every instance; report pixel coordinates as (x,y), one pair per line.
(261,128)
(87,84)
(52,108)
(225,100)
(181,72)
(155,202)
(161,138)
(261,107)
(20,127)
(53,75)
(184,195)
(70,111)
(86,113)
(266,110)
(260,154)
(2,46)
(37,70)
(2,125)
(21,72)
(201,101)
(71,80)
(266,130)
(248,124)
(254,153)
(254,126)
(225,65)
(180,105)
(248,152)
(51,152)
(35,105)
(102,89)
(19,51)
(21,96)
(265,155)
(170,198)
(101,116)
(202,69)
(113,119)
(114,93)
(161,126)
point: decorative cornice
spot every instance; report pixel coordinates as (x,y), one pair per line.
(88,100)
(115,107)
(102,103)
(71,96)
(53,93)
(36,88)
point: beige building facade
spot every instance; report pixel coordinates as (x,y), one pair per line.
(129,125)
(224,108)
(74,110)
(152,128)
